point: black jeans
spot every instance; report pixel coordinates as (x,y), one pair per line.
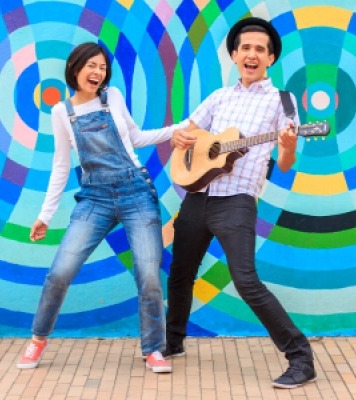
(232,220)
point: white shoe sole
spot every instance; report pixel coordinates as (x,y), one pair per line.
(281,386)
(27,366)
(159,369)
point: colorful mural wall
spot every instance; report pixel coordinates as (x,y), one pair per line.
(167,56)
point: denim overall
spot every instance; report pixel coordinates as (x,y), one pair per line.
(113,190)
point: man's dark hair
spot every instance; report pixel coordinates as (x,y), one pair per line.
(79,57)
(254,28)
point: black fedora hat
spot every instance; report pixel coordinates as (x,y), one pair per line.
(271,30)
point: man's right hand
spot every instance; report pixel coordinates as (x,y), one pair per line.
(38,230)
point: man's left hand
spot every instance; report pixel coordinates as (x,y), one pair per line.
(287,139)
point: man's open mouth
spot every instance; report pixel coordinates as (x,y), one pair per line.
(251,66)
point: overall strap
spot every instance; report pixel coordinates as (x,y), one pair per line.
(70,110)
(288,106)
(104,100)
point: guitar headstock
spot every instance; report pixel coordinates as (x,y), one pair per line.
(315,129)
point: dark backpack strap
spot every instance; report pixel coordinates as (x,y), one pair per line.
(288,106)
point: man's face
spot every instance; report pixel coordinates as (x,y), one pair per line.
(252,57)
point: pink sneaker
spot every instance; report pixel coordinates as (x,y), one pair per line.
(33,354)
(157,363)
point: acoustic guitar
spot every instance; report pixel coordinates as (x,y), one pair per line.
(214,155)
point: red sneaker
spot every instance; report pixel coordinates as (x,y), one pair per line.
(33,354)
(157,363)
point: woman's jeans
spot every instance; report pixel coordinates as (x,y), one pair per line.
(134,202)
(232,220)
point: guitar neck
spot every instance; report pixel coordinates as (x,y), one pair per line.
(250,141)
(307,130)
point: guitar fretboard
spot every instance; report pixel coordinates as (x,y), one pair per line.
(306,130)
(235,145)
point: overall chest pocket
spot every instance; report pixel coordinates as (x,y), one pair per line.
(92,122)
(93,128)
(98,139)
(96,134)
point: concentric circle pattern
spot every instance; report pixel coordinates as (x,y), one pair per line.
(167,56)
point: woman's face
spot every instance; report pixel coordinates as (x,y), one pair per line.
(92,75)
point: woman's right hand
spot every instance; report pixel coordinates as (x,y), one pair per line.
(38,230)
(182,139)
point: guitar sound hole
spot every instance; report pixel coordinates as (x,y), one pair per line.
(214,150)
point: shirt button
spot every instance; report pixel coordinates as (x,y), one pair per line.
(143,169)
(148,180)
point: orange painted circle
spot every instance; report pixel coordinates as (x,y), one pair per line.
(51,96)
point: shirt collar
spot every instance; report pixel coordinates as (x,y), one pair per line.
(264,84)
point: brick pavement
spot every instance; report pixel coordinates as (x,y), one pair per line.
(214,369)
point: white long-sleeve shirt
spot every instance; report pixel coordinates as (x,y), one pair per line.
(131,136)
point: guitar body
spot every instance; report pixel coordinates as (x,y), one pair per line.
(194,168)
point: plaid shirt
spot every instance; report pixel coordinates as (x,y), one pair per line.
(254,110)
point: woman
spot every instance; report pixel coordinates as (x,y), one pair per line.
(114,188)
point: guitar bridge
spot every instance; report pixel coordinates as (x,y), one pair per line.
(188,158)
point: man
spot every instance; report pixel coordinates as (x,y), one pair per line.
(226,208)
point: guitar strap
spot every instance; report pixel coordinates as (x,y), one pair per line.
(289,111)
(288,107)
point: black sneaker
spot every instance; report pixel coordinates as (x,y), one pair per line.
(297,374)
(173,351)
